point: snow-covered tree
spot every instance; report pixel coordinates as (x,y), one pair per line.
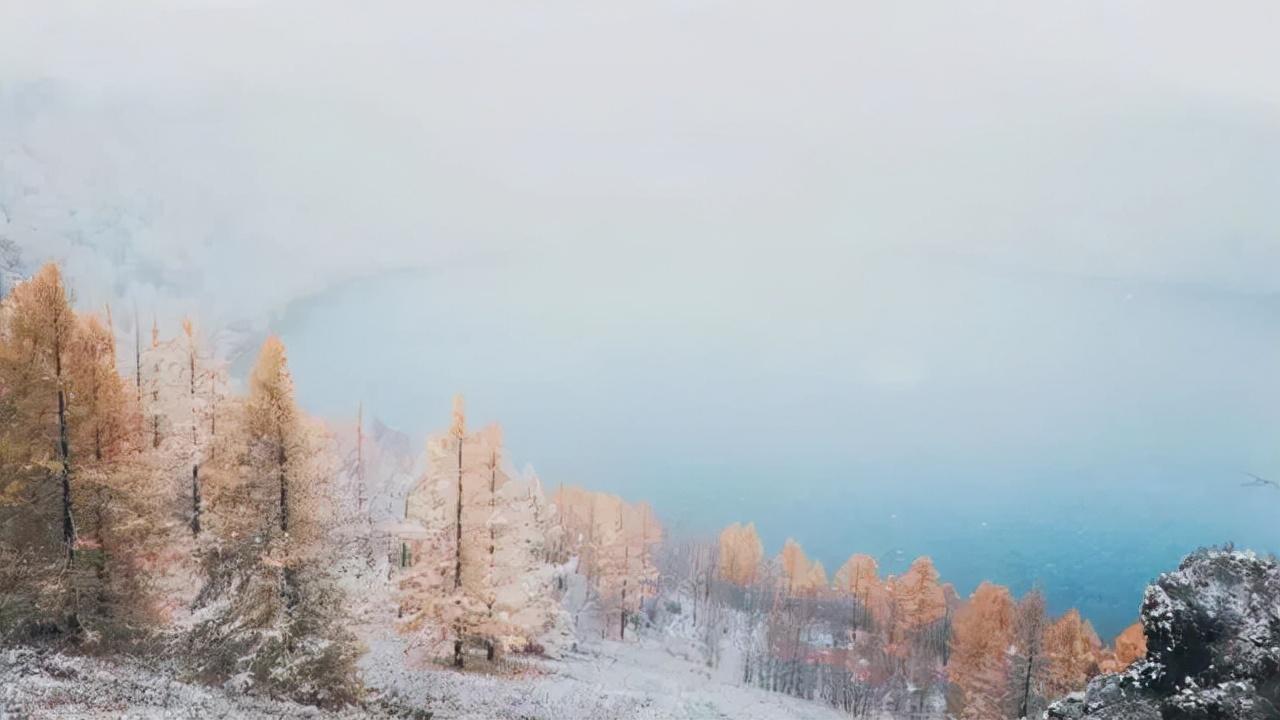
(183,394)
(271,613)
(435,607)
(478,571)
(613,542)
(525,604)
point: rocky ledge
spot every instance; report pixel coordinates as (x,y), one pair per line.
(1213,647)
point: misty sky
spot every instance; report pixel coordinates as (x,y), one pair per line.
(994,282)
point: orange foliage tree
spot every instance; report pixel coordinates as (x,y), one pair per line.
(800,576)
(979,671)
(858,578)
(918,601)
(740,554)
(1074,652)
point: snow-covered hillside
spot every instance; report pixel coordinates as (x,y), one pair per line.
(611,680)
(45,685)
(636,681)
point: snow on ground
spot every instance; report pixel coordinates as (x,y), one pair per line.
(45,685)
(626,681)
(631,681)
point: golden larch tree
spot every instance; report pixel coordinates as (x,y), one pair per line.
(859,578)
(1074,652)
(271,490)
(979,667)
(39,333)
(918,602)
(740,554)
(798,574)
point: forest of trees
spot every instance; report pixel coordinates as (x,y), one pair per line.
(162,509)
(907,643)
(151,504)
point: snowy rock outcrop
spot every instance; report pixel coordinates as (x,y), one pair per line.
(1213,638)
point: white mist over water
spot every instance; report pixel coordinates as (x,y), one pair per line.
(1045,430)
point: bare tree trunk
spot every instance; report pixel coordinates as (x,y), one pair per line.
(195,500)
(946,637)
(697,579)
(457,555)
(457,549)
(64,452)
(1026,685)
(213,411)
(100,570)
(282,459)
(622,613)
(644,547)
(286,573)
(195,466)
(97,420)
(490,648)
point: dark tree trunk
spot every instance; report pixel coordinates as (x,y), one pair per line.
(195,500)
(493,485)
(1026,685)
(137,355)
(100,568)
(622,613)
(457,550)
(195,466)
(287,589)
(457,558)
(64,454)
(281,459)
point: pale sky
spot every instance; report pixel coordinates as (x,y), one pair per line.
(995,282)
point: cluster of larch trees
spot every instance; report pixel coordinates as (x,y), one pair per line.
(905,643)
(72,491)
(159,512)
(473,561)
(156,506)
(612,545)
